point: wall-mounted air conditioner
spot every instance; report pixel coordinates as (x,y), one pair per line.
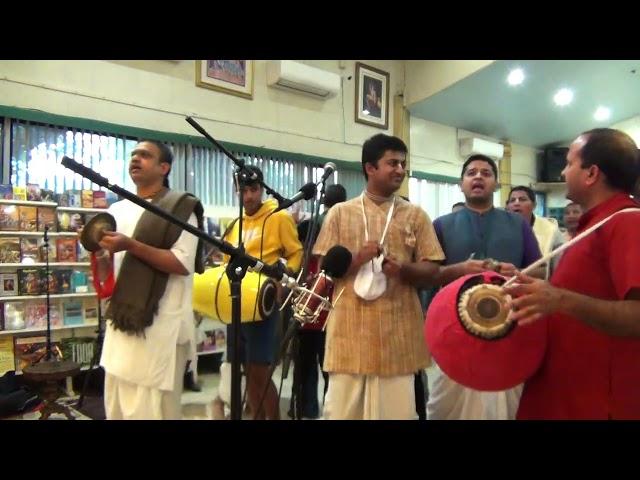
(473,145)
(301,78)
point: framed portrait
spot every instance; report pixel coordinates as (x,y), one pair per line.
(228,76)
(372,96)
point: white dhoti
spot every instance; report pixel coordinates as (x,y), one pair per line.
(370,397)
(128,401)
(448,400)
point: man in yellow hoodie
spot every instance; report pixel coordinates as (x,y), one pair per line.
(270,238)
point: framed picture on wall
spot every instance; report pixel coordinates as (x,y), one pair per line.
(228,76)
(372,96)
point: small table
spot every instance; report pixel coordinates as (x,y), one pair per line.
(48,373)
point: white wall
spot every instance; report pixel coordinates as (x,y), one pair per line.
(434,149)
(158,94)
(427,77)
(631,127)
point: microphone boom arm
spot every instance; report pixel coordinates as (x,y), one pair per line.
(239,162)
(275,271)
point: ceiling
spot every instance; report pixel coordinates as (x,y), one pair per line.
(526,114)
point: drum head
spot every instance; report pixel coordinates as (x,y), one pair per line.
(267,299)
(467,333)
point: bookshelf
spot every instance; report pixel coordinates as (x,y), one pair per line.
(23,262)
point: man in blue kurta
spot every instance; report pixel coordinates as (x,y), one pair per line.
(470,238)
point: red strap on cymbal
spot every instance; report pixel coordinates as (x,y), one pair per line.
(103,289)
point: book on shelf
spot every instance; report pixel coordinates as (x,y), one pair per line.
(79,281)
(29,250)
(66,249)
(75,198)
(19,193)
(9,218)
(90,306)
(7,358)
(63,199)
(43,253)
(54,287)
(72,312)
(8,284)
(87,198)
(28,218)
(33,192)
(6,191)
(70,221)
(77,221)
(30,350)
(64,221)
(47,217)
(48,195)
(35,315)
(13,315)
(9,249)
(30,280)
(78,349)
(99,199)
(56,316)
(64,280)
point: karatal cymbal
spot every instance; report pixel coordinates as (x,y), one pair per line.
(94,230)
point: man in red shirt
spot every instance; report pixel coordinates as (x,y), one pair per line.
(591,305)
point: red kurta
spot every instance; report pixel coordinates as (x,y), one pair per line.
(587,374)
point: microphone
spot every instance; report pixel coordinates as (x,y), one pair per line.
(329,168)
(85,172)
(310,303)
(305,193)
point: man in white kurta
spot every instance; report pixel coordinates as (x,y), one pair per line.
(144,373)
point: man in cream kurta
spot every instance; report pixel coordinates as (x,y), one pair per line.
(375,346)
(144,373)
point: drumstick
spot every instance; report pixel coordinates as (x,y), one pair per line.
(564,246)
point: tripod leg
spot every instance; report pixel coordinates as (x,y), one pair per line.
(297,395)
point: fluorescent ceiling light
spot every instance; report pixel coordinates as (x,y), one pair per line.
(516,77)
(602,113)
(563,97)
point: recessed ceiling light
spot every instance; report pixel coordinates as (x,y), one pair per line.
(563,97)
(516,77)
(602,113)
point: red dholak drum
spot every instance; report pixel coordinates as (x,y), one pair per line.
(471,339)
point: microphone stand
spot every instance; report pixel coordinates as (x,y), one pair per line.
(236,269)
(240,261)
(295,325)
(298,382)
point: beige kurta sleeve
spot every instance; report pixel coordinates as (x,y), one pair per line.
(427,244)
